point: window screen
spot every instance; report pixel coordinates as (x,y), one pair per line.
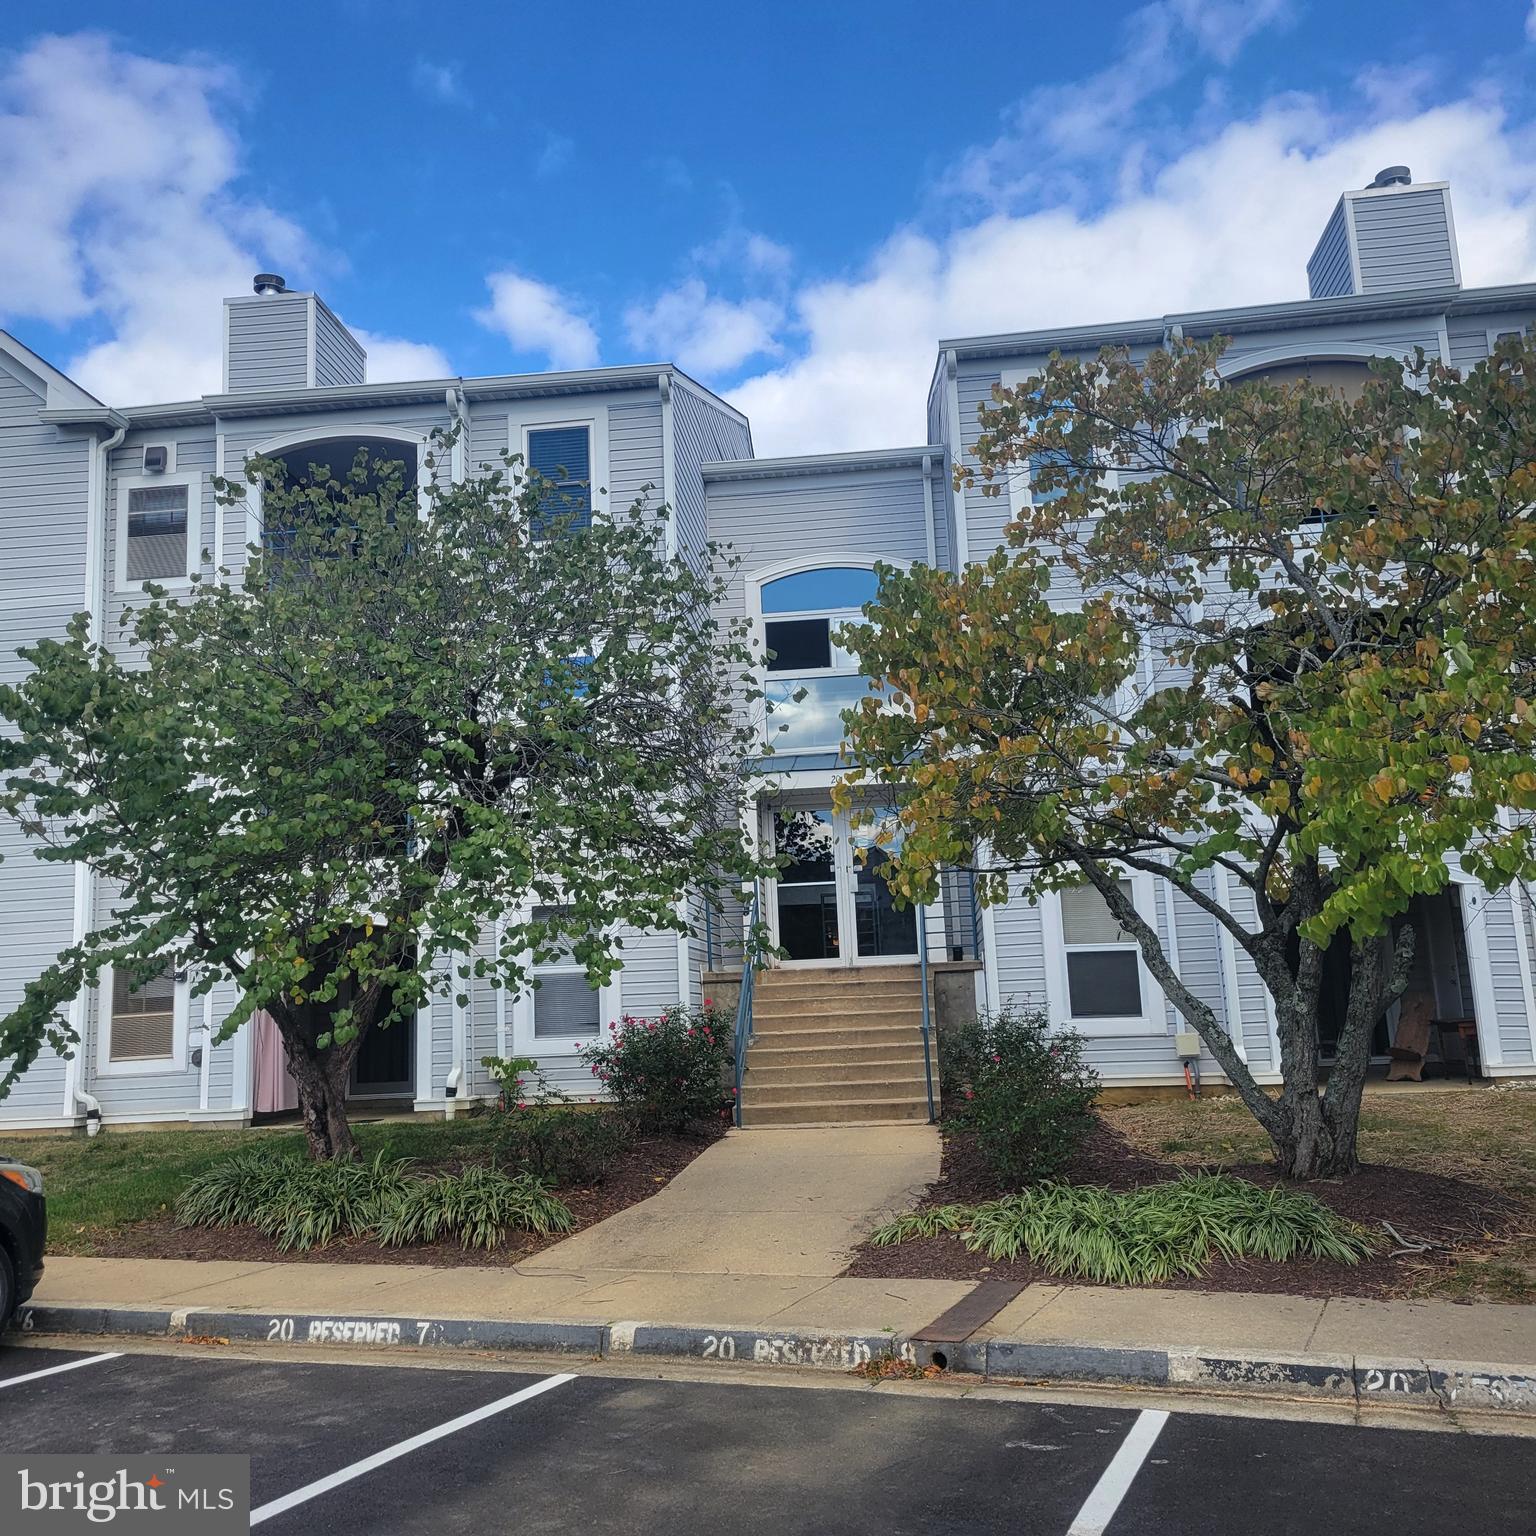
(143,1020)
(798,645)
(1103,973)
(562,457)
(1104,984)
(157,532)
(565,1005)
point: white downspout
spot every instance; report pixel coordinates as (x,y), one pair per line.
(95,604)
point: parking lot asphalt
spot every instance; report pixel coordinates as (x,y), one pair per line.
(384,1449)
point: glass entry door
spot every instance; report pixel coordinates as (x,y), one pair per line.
(831,906)
(810,923)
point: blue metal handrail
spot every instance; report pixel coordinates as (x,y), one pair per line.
(749,966)
(922,970)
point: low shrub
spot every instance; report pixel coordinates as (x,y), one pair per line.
(1144,1236)
(561,1143)
(1026,1092)
(304,1205)
(667,1073)
(301,1204)
(479,1205)
(511,1074)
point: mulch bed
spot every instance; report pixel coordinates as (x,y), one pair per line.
(645,1167)
(1450,1212)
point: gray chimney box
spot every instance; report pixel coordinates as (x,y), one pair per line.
(1391,235)
(274,339)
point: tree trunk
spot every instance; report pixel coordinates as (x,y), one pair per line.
(321,1076)
(322,1083)
(1321,1140)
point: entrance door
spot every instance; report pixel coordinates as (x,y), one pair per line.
(831,906)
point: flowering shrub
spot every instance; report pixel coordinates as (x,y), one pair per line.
(1026,1093)
(666,1073)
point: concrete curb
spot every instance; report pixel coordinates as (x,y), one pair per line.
(1404,1382)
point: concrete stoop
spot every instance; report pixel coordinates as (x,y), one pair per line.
(836,1047)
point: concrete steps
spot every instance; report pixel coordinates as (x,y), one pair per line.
(836,1047)
(873,1112)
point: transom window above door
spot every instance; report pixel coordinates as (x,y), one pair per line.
(811,679)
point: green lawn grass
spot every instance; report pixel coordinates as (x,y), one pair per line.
(100,1183)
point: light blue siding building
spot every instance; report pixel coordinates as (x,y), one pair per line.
(94,500)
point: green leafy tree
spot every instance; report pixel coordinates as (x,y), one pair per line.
(415,718)
(1269,640)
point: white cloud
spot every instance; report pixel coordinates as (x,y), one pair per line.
(390,358)
(1530,23)
(119,213)
(440,82)
(1230,221)
(701,332)
(536,317)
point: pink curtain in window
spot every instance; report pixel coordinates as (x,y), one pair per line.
(275,1089)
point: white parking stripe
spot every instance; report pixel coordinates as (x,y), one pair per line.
(404,1448)
(53,1370)
(1100,1506)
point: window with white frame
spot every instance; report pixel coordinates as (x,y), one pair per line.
(144,1023)
(810,679)
(157,522)
(561,455)
(565,1006)
(1102,962)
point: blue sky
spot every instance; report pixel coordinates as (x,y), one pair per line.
(792,201)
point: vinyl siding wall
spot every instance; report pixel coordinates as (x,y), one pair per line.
(702,434)
(1330,273)
(44,494)
(1404,240)
(267,342)
(339,357)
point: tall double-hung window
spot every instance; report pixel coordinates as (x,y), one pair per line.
(561,456)
(811,679)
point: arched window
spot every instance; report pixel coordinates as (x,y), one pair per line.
(810,679)
(318,459)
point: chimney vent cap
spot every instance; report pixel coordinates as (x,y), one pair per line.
(268,282)
(1393,176)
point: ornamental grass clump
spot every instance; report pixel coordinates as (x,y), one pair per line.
(300,1204)
(304,1205)
(478,1205)
(1143,1236)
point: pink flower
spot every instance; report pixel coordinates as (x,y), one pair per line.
(968,1094)
(998,1060)
(709,1002)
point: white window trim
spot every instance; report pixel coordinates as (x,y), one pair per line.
(193,481)
(546,416)
(329,432)
(144,1066)
(1020,496)
(525,1042)
(1494,332)
(1153,1018)
(759,621)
